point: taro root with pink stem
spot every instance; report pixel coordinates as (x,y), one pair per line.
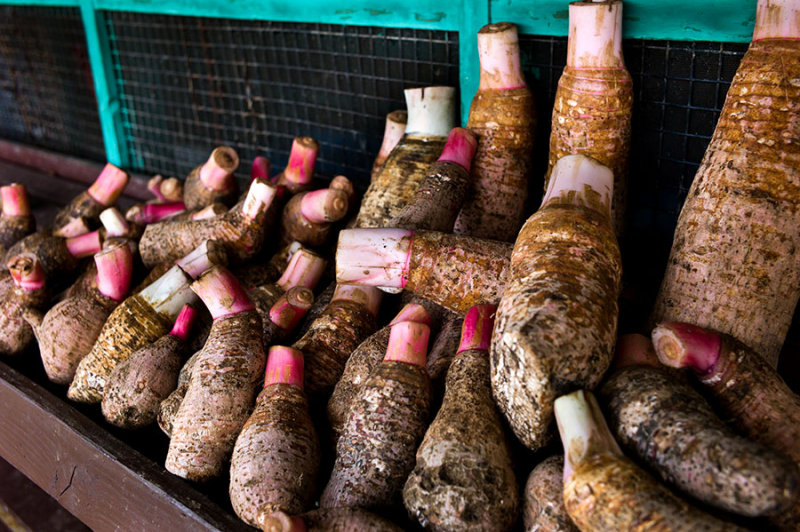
(308,216)
(392,133)
(58,257)
(76,217)
(299,171)
(276,456)
(149,213)
(223,381)
(137,385)
(213,181)
(502,115)
(16,221)
(543,508)
(739,222)
(67,332)
(29,291)
(165,190)
(255,273)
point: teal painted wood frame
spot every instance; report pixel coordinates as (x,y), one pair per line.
(700,20)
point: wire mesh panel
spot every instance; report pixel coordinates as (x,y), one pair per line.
(46,89)
(189,84)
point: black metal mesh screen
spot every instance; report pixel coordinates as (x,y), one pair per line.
(189,84)
(46,89)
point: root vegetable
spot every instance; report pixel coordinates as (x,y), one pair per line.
(254,273)
(744,387)
(431,115)
(594,100)
(276,457)
(603,490)
(543,509)
(242,230)
(286,314)
(223,381)
(17,221)
(375,452)
(457,272)
(172,189)
(299,171)
(137,385)
(362,361)
(57,256)
(463,478)
(260,168)
(444,350)
(503,117)
(308,216)
(325,520)
(670,427)
(392,133)
(148,213)
(557,322)
(70,328)
(733,265)
(28,291)
(169,407)
(440,194)
(141,319)
(75,217)
(347,320)
(213,181)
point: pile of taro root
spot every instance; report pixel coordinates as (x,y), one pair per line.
(344,362)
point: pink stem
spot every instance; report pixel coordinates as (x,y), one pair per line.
(259,197)
(15,200)
(217,172)
(679,345)
(476,333)
(114,271)
(26,271)
(202,258)
(154,186)
(324,206)
(304,269)
(367,296)
(184,322)
(291,307)
(635,350)
(374,257)
(109,185)
(394,131)
(460,148)
(777,19)
(222,293)
(302,159)
(260,168)
(284,366)
(85,245)
(408,342)
(412,312)
(154,212)
(498,50)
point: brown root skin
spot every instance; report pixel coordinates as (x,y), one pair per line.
(131,325)
(543,509)
(607,492)
(68,331)
(504,122)
(396,184)
(13,229)
(329,341)
(327,519)
(15,332)
(669,426)
(219,397)
(740,217)
(169,407)
(463,478)
(457,272)
(253,273)
(592,117)
(295,226)
(316,310)
(51,251)
(444,348)
(83,207)
(276,457)
(557,322)
(85,283)
(137,385)
(197,196)
(375,452)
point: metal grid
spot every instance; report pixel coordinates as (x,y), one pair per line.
(190,83)
(46,89)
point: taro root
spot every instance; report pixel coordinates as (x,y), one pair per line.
(17,221)
(27,290)
(431,115)
(57,256)
(308,216)
(75,218)
(141,319)
(150,213)
(444,350)
(594,100)
(604,490)
(165,190)
(733,265)
(241,229)
(392,133)
(137,385)
(557,321)
(213,181)
(67,332)
(276,457)
(543,509)
(223,381)
(502,115)
(255,273)
(670,427)
(463,478)
(454,271)
(299,171)
(325,520)
(375,452)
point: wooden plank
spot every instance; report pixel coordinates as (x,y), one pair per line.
(97,477)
